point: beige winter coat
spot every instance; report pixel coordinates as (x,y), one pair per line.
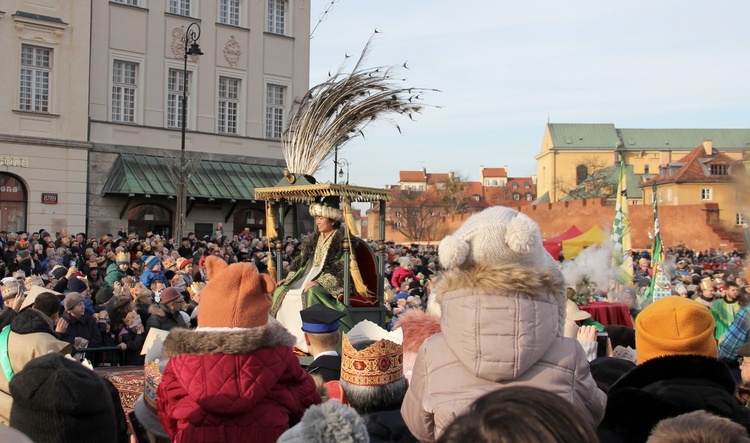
(501,326)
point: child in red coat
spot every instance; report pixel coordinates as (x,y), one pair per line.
(235,378)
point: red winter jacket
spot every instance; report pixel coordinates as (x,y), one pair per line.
(232,385)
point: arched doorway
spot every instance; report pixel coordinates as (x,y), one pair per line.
(153,218)
(252,219)
(13,203)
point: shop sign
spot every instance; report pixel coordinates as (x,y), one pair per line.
(49,198)
(14,161)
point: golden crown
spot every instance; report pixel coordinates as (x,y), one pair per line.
(122,256)
(379,364)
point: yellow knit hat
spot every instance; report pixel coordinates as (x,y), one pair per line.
(674,326)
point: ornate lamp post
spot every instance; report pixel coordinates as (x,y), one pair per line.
(341,170)
(182,167)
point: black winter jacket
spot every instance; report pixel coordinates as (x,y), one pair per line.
(667,387)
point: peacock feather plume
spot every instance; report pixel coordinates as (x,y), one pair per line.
(339,109)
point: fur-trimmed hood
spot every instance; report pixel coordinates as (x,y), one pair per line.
(499,320)
(226,341)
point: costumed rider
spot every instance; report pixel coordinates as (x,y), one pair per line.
(316,276)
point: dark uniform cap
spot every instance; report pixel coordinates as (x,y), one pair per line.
(319,319)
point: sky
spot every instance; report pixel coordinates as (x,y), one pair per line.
(506,68)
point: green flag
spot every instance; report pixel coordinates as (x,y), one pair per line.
(660,284)
(622,262)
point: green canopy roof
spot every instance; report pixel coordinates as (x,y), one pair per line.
(135,174)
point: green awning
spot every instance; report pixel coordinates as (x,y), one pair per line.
(134,174)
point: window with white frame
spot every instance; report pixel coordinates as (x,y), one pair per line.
(127,2)
(739,219)
(274,111)
(36,64)
(705,193)
(529,197)
(398,214)
(669,195)
(229,100)
(181,7)
(229,12)
(175,86)
(124,87)
(398,225)
(276,16)
(516,196)
(661,196)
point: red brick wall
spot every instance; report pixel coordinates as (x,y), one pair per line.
(691,225)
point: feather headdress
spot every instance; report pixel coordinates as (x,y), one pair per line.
(337,110)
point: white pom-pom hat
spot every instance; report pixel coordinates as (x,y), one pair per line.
(499,236)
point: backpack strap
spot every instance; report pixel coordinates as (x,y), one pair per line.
(4,357)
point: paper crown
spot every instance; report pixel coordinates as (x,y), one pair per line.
(10,288)
(33,280)
(122,258)
(379,364)
(328,207)
(168,262)
(707,283)
(195,288)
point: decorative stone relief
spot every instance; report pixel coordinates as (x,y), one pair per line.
(178,42)
(232,51)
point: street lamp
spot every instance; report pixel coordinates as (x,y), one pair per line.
(341,169)
(182,168)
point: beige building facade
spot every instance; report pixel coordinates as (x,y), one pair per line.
(572,152)
(92,111)
(43,120)
(255,61)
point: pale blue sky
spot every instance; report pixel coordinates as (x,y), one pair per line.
(505,67)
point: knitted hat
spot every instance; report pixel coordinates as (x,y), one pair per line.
(75,284)
(58,272)
(327,207)
(72,300)
(497,235)
(500,236)
(182,262)
(23,255)
(57,399)
(236,296)
(327,422)
(674,326)
(403,261)
(150,261)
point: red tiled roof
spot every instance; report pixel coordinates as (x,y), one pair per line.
(436,178)
(692,170)
(494,172)
(411,176)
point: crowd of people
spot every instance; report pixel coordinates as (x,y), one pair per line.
(483,342)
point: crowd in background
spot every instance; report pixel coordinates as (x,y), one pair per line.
(680,371)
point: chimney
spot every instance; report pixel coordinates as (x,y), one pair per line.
(451,176)
(708,147)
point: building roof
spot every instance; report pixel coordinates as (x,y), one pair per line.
(411,176)
(494,172)
(435,178)
(695,168)
(134,174)
(575,136)
(584,136)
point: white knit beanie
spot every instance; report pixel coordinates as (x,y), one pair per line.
(497,235)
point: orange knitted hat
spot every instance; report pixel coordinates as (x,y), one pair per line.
(674,326)
(236,296)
